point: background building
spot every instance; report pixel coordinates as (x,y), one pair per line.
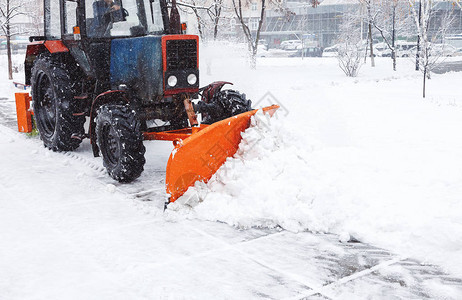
(298,19)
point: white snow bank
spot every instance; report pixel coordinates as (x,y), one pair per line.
(365,156)
(265,184)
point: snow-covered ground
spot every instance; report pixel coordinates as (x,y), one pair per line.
(366,156)
(362,157)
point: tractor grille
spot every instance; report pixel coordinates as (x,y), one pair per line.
(181,54)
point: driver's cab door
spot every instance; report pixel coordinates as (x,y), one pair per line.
(114,18)
(61,17)
(101,15)
(71,21)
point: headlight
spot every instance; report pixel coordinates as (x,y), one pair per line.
(172,80)
(192,79)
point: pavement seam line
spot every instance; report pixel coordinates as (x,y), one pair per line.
(323,290)
(234,247)
(78,158)
(315,290)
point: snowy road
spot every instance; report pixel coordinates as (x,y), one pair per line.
(57,244)
(454,66)
(67,231)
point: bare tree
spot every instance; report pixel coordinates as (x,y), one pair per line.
(252,39)
(369,5)
(200,22)
(199,11)
(217,9)
(427,54)
(350,49)
(392,19)
(9,9)
(208,16)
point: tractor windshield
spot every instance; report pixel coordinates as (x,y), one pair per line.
(112,18)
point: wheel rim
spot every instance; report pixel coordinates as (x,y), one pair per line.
(110,144)
(45,106)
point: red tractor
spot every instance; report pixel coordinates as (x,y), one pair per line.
(127,67)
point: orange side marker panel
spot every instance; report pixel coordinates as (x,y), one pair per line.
(22,112)
(56,46)
(198,157)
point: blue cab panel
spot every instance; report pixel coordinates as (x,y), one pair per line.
(137,63)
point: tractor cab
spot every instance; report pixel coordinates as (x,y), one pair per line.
(104,18)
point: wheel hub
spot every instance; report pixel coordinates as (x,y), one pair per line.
(46,105)
(112,147)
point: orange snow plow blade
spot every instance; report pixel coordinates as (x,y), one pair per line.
(199,156)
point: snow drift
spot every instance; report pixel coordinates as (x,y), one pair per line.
(284,177)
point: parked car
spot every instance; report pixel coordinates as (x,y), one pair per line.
(330,51)
(308,52)
(405,49)
(380,46)
(17,45)
(263,44)
(404,45)
(381,49)
(262,51)
(445,50)
(458,52)
(402,49)
(407,53)
(290,44)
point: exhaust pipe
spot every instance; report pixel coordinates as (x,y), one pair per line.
(175,22)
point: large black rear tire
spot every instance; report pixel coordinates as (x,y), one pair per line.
(120,140)
(53,95)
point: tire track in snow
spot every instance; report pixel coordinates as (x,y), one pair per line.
(99,171)
(64,238)
(7,115)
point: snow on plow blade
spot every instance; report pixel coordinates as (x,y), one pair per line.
(199,156)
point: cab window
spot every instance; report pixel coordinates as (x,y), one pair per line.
(107,18)
(70,7)
(154,16)
(52,19)
(111,18)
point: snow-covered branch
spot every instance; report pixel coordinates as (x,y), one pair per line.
(427,55)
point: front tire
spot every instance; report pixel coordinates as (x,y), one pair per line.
(224,104)
(120,140)
(53,95)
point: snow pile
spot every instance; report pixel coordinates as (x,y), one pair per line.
(281,177)
(268,183)
(273,180)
